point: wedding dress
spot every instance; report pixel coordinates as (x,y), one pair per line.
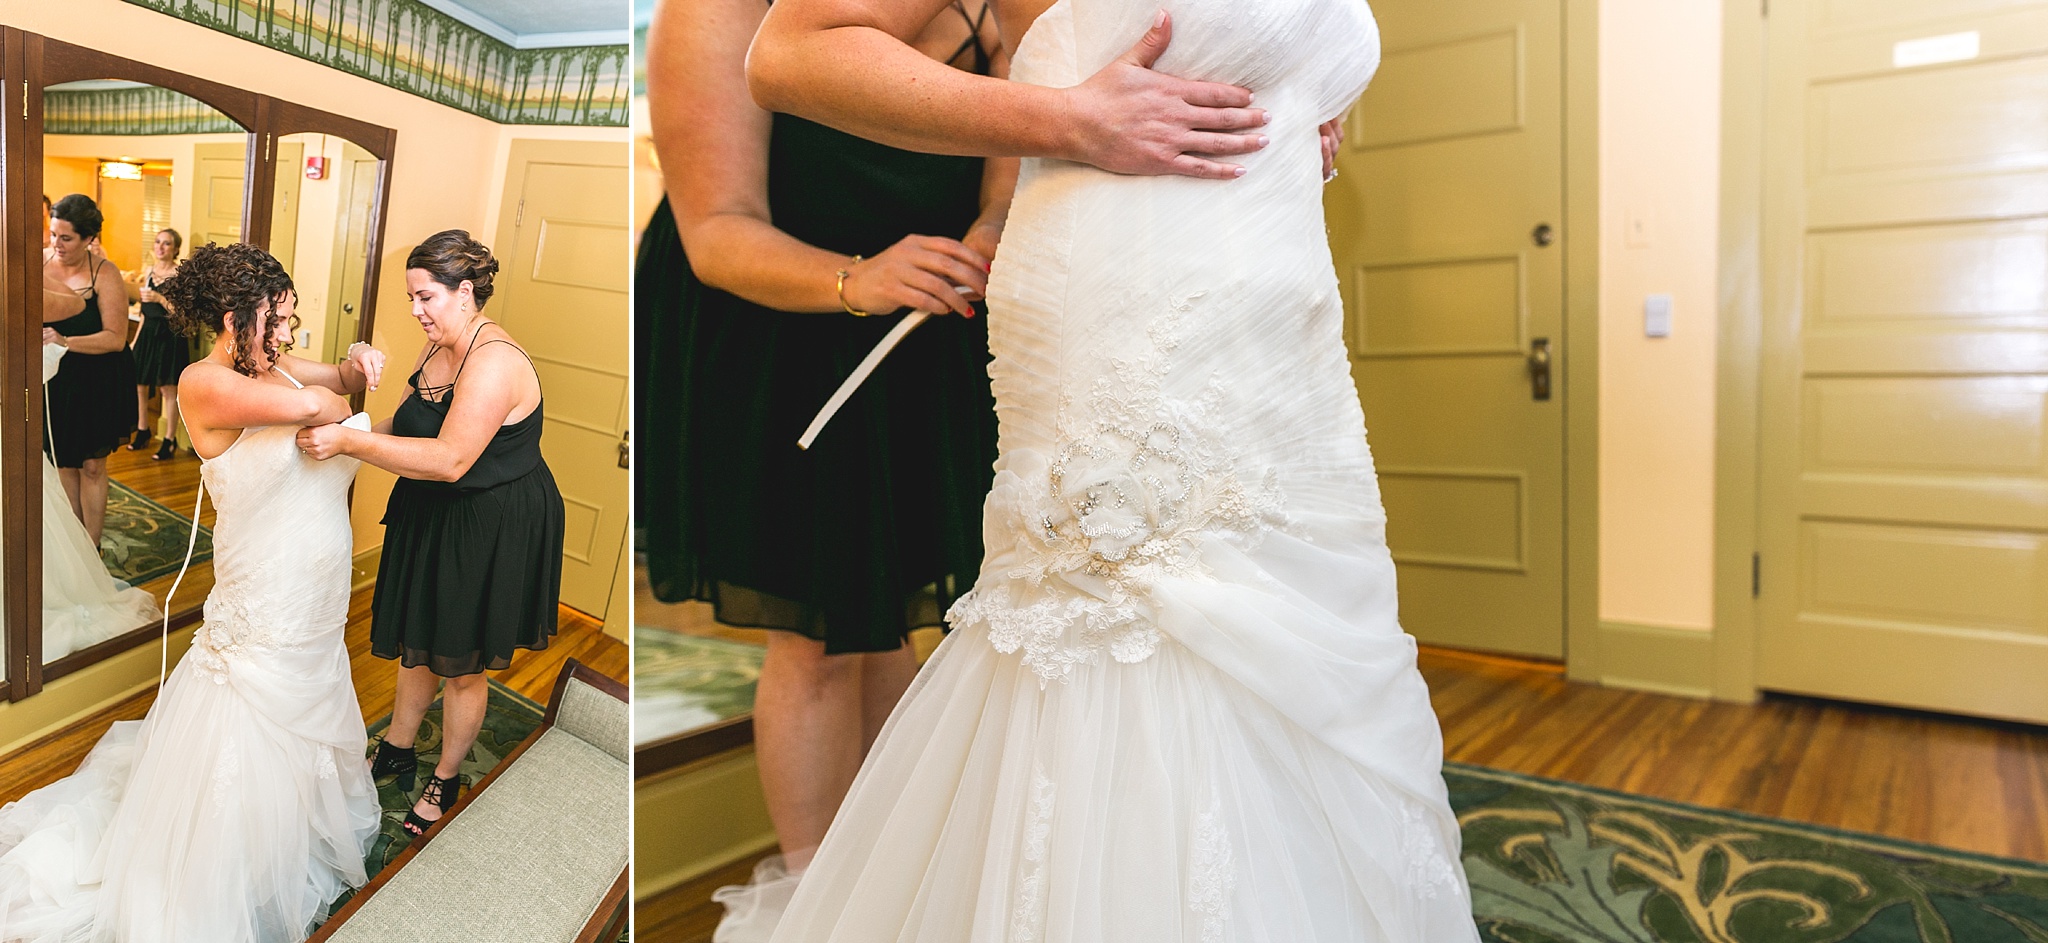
(1177,705)
(82,604)
(240,807)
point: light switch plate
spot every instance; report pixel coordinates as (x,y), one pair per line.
(1657,316)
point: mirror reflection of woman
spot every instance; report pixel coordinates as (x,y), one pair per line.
(89,411)
(82,603)
(472,563)
(160,352)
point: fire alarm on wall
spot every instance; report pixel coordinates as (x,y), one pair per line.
(316,168)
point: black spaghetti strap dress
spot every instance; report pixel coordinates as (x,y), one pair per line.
(472,569)
(161,353)
(91,400)
(874,530)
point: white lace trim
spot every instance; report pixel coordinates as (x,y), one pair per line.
(1430,871)
(1136,483)
(227,774)
(1027,918)
(1212,874)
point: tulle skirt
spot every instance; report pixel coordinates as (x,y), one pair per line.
(209,820)
(1186,796)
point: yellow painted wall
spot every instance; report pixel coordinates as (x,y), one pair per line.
(448,169)
(84,150)
(448,172)
(1660,80)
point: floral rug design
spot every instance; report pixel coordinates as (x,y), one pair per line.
(1553,862)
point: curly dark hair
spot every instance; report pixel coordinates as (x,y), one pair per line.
(81,212)
(223,289)
(452,258)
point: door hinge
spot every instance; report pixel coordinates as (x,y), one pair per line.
(1756,575)
(519,216)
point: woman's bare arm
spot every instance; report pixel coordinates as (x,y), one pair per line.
(849,64)
(998,179)
(347,377)
(495,383)
(713,143)
(218,399)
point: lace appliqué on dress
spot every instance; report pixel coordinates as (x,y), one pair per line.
(1430,872)
(230,626)
(1139,478)
(1027,918)
(1212,874)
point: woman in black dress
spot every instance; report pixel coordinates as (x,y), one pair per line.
(777,237)
(472,563)
(161,353)
(89,411)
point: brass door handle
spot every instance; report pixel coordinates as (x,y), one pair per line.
(1539,369)
(625,451)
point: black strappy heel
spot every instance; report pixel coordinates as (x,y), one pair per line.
(442,793)
(401,762)
(168,450)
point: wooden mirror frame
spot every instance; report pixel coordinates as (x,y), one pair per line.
(29,63)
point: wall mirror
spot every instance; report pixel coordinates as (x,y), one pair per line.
(143,165)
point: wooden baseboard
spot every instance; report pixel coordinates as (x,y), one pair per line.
(362,570)
(697,819)
(1663,659)
(81,693)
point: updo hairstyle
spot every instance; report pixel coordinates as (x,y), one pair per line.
(450,257)
(81,212)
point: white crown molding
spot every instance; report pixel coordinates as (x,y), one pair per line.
(491,28)
(588,37)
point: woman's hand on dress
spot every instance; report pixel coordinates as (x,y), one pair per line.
(369,361)
(50,336)
(918,272)
(324,442)
(1133,120)
(1332,133)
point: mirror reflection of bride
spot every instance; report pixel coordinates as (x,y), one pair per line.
(82,604)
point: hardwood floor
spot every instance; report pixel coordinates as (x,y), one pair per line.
(1975,785)
(531,674)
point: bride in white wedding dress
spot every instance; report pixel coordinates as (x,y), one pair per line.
(240,807)
(1177,705)
(83,605)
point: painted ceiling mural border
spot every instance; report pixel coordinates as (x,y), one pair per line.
(417,49)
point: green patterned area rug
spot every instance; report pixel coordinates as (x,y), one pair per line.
(682,682)
(1553,862)
(143,540)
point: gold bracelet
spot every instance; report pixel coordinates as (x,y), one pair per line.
(856,312)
